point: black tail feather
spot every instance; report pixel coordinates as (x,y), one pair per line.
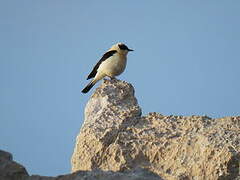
(88,87)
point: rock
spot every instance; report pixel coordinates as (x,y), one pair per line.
(139,174)
(117,143)
(9,169)
(115,137)
(111,109)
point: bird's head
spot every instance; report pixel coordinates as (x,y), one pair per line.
(121,48)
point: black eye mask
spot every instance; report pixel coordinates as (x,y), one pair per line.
(123,47)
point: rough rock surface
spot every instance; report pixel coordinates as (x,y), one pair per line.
(115,137)
(101,175)
(10,170)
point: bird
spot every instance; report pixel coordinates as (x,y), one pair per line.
(112,64)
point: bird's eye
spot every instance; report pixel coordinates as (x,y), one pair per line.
(123,47)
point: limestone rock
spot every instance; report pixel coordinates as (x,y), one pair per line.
(111,109)
(10,170)
(115,137)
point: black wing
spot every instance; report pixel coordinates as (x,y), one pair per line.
(105,56)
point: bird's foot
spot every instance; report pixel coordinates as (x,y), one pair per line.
(112,78)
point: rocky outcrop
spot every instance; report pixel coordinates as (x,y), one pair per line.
(117,143)
(10,170)
(115,137)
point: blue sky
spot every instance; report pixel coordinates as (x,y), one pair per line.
(186,62)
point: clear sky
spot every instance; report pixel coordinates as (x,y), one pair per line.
(186,62)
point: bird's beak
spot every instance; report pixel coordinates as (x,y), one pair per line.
(130,50)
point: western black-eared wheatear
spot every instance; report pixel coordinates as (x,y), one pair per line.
(112,64)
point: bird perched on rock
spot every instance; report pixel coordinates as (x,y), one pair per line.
(112,64)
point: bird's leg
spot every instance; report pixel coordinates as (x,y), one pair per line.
(111,77)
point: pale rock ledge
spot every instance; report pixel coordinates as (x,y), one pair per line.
(115,137)
(117,143)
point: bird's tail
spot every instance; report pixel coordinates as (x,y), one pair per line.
(88,87)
